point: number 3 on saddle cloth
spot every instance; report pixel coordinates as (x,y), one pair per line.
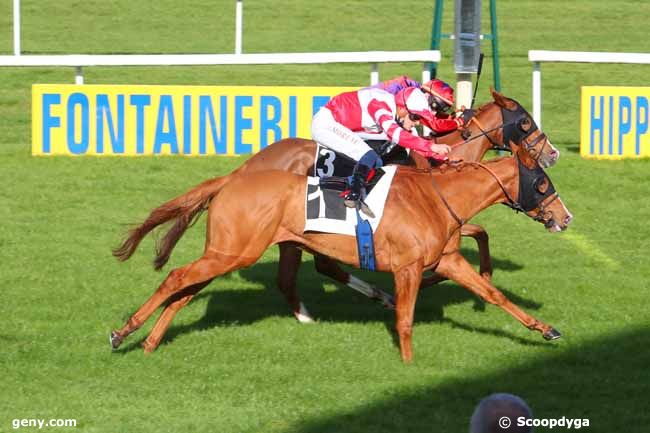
(324,208)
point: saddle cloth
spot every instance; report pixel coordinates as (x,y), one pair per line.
(326,213)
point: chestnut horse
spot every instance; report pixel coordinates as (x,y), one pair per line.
(495,125)
(424,212)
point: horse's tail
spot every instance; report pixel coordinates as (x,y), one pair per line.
(184,209)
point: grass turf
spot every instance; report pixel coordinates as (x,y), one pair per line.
(234,360)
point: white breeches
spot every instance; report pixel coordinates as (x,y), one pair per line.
(331,134)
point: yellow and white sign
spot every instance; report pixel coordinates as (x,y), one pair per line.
(614,122)
(169,120)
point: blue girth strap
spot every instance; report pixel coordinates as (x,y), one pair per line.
(365,244)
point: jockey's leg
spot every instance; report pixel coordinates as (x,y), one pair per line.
(333,135)
(360,176)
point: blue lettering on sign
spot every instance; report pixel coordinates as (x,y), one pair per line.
(624,126)
(611,124)
(139,102)
(206,110)
(187,124)
(641,121)
(242,123)
(270,123)
(165,115)
(292,116)
(596,123)
(317,102)
(49,121)
(81,100)
(104,111)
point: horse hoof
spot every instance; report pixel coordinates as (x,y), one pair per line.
(115,340)
(148,347)
(552,334)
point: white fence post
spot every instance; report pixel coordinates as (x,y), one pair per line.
(374,74)
(239,11)
(78,75)
(16,27)
(537,94)
(426,73)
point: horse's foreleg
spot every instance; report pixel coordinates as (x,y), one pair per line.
(290,259)
(330,268)
(482,240)
(457,268)
(176,302)
(204,269)
(407,283)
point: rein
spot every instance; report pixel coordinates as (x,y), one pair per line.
(484,133)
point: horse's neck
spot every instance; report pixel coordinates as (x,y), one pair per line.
(473,188)
(473,150)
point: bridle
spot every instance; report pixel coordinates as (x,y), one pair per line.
(517,127)
(529,184)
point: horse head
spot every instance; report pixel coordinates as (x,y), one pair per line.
(520,128)
(537,196)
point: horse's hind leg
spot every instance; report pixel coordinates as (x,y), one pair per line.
(331,268)
(207,267)
(456,268)
(176,302)
(290,259)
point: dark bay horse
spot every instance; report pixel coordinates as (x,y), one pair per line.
(495,125)
(418,230)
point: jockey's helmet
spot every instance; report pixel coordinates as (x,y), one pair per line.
(415,102)
(440,94)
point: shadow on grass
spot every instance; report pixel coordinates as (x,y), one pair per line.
(606,381)
(246,306)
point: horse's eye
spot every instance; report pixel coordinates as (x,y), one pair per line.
(525,124)
(541,185)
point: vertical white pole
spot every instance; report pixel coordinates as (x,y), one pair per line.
(537,94)
(78,75)
(426,73)
(463,90)
(374,75)
(239,10)
(16,27)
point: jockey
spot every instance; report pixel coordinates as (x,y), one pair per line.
(441,101)
(373,110)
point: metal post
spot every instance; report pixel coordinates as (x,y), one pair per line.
(16,27)
(239,11)
(374,74)
(495,45)
(537,94)
(435,34)
(78,75)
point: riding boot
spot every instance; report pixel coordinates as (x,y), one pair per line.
(357,195)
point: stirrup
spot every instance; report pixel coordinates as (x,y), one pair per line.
(359,204)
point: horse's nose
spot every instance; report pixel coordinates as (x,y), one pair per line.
(568,219)
(555,154)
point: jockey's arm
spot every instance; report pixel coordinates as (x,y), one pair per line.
(384,117)
(442,125)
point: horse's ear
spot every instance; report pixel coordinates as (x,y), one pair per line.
(502,101)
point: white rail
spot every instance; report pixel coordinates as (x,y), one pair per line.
(538,56)
(78,61)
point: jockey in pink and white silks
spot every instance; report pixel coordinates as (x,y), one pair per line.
(441,101)
(373,110)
